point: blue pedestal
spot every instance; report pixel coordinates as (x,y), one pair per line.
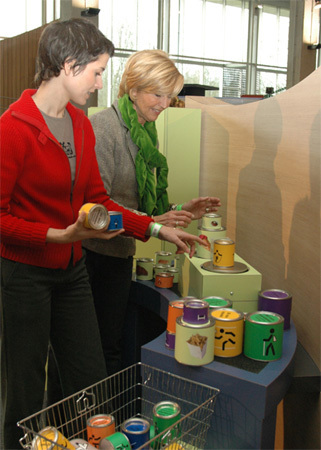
(245,411)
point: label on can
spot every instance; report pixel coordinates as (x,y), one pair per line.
(99,427)
(175,309)
(263,336)
(117,440)
(194,344)
(212,221)
(144,269)
(116,221)
(224,250)
(97,216)
(229,328)
(175,272)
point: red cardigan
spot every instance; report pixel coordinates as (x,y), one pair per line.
(36,186)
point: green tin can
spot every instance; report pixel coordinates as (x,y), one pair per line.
(165,415)
(217,302)
(263,336)
(117,440)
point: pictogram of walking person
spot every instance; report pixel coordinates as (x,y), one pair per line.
(271,339)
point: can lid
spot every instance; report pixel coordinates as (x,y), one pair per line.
(98,216)
(177,304)
(196,303)
(227,314)
(166,409)
(136,425)
(217,301)
(224,241)
(144,260)
(100,420)
(212,215)
(213,230)
(264,317)
(275,294)
(165,275)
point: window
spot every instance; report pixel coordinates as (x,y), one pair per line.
(222,43)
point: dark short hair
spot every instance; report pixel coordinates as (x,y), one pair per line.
(77,40)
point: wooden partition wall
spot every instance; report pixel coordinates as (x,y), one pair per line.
(17,66)
(263,160)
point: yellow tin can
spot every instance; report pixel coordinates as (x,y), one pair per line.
(51,439)
(224,250)
(228,332)
(97,216)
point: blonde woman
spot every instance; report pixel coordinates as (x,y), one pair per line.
(135,175)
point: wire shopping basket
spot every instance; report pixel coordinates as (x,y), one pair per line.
(130,393)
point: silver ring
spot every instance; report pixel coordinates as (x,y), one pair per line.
(207,210)
(176,224)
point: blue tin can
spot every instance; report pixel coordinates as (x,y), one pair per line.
(116,220)
(137,431)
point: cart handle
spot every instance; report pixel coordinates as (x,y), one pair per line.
(85,400)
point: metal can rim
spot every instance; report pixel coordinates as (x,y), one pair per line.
(100,416)
(165,403)
(269,313)
(137,419)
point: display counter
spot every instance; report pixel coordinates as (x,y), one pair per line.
(245,411)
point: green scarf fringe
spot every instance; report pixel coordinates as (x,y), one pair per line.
(153,198)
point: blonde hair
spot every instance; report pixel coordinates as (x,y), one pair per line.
(151,71)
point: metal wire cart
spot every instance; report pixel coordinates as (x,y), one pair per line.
(130,393)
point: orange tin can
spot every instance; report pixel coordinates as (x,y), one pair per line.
(175,309)
(99,427)
(224,250)
(97,216)
(164,280)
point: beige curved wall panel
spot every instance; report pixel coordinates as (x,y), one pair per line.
(263,160)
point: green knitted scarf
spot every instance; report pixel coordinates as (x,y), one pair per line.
(153,198)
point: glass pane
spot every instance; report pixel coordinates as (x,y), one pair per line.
(111,80)
(273,37)
(130,24)
(270,79)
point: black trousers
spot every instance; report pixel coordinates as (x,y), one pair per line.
(42,306)
(110,279)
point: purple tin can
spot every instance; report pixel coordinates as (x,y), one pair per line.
(277,301)
(195,311)
(137,431)
(170,340)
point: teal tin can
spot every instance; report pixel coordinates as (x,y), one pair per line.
(166,414)
(263,336)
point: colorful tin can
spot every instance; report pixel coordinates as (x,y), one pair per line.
(263,336)
(175,272)
(158,268)
(208,236)
(137,431)
(99,427)
(50,439)
(166,414)
(81,444)
(97,216)
(165,258)
(194,344)
(117,440)
(195,311)
(224,250)
(175,309)
(278,301)
(144,269)
(229,329)
(212,221)
(116,221)
(169,340)
(164,280)
(217,302)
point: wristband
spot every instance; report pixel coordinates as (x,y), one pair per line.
(179,207)
(154,231)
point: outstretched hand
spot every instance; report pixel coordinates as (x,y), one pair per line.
(185,242)
(77,232)
(175,218)
(202,205)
